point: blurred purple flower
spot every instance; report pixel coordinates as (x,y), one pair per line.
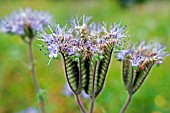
(68,92)
(30,110)
(17,21)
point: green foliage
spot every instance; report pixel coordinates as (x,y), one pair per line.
(41,94)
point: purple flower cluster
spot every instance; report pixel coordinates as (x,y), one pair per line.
(82,37)
(144,53)
(24,18)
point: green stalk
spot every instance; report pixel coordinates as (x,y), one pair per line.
(33,75)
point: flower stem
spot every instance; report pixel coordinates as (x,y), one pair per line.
(80,104)
(92,105)
(33,75)
(130,93)
(93,92)
(126,104)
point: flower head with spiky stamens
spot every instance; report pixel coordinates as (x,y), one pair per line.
(143,53)
(137,62)
(24,21)
(86,49)
(83,37)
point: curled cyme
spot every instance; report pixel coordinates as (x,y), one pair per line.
(23,20)
(86,48)
(137,63)
(143,53)
(82,38)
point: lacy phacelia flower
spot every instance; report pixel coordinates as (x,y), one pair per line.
(86,49)
(143,53)
(83,38)
(23,20)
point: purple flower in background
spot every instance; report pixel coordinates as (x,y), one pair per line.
(68,92)
(30,110)
(21,20)
(25,23)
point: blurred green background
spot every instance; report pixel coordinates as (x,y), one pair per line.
(149,20)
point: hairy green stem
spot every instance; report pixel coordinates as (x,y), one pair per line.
(33,75)
(130,93)
(80,104)
(126,104)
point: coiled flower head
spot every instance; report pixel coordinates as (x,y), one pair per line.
(137,62)
(83,38)
(144,53)
(85,47)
